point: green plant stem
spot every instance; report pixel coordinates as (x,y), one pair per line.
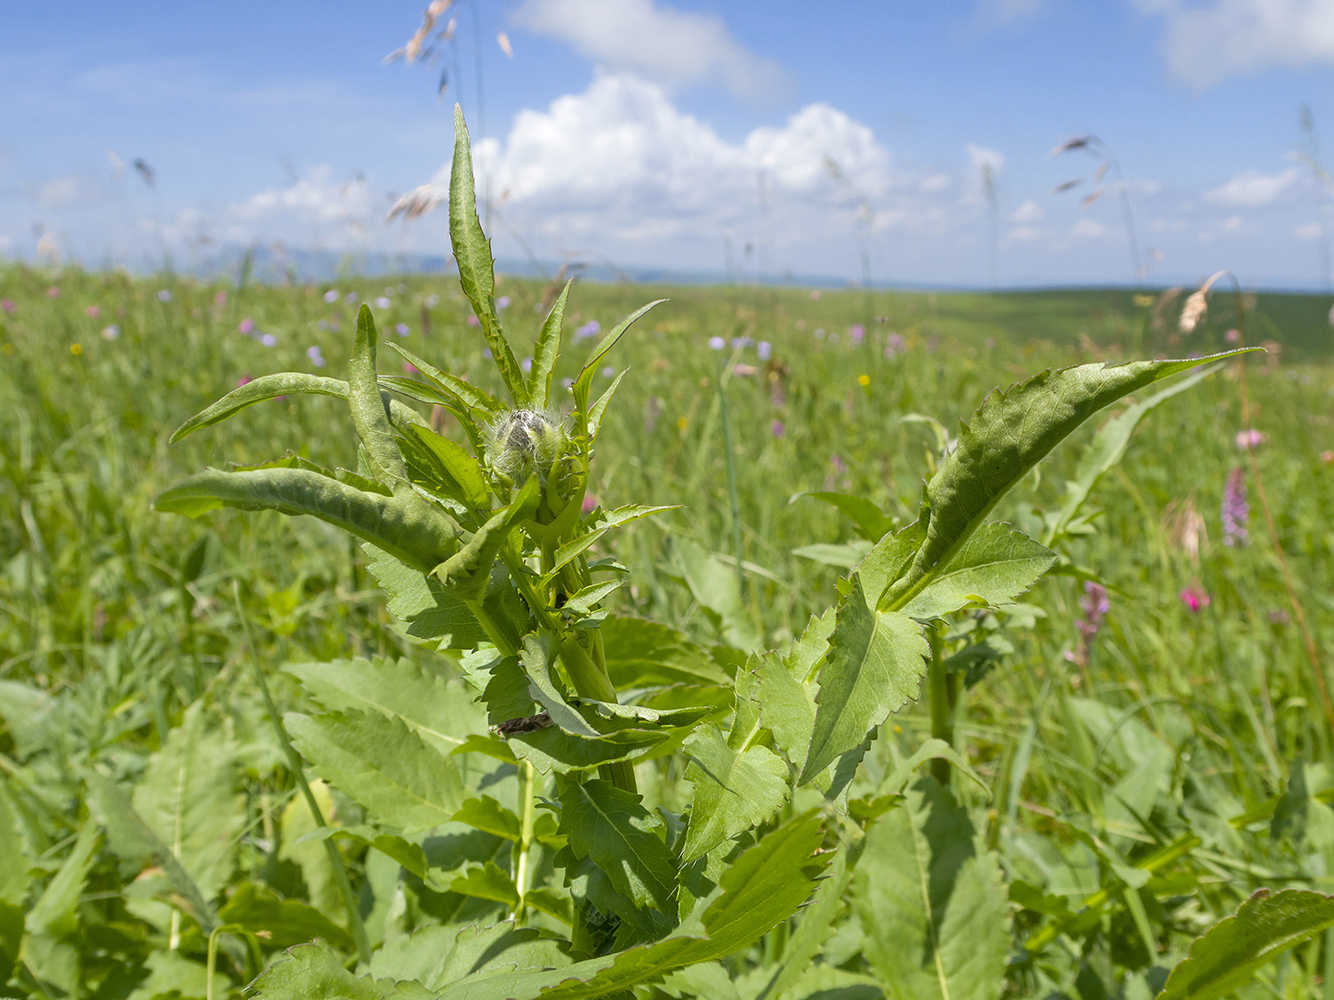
(942,716)
(295,765)
(733,493)
(523,874)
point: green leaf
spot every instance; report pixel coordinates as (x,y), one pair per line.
(367,406)
(15,877)
(1110,443)
(611,827)
(590,368)
(487,881)
(408,854)
(552,749)
(401,525)
(599,408)
(468,571)
(932,902)
(460,392)
(422,601)
(817,922)
(485,813)
(257,390)
(472,252)
(464,472)
(382,764)
(56,912)
(875,664)
(284,922)
(441,712)
(437,955)
(733,791)
(1010,433)
(11,937)
(1233,950)
(546,352)
(994,566)
(840,556)
(535,659)
(640,653)
(872,523)
(930,750)
(188,798)
(316,972)
(612,519)
(714,586)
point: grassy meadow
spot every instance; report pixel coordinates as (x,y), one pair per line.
(1159,723)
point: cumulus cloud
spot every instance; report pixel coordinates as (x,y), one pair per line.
(668,46)
(1252,189)
(1029,212)
(1205,43)
(1087,228)
(621,159)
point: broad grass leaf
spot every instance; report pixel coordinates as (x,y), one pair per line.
(1011,432)
(872,523)
(404,526)
(422,602)
(382,764)
(280,923)
(1227,957)
(613,829)
(874,665)
(441,712)
(932,902)
(188,798)
(994,566)
(734,791)
(841,556)
(764,886)
(546,351)
(472,253)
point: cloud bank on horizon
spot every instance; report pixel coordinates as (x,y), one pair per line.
(621,170)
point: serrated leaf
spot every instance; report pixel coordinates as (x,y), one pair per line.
(583,602)
(485,813)
(422,601)
(487,881)
(1010,433)
(612,519)
(382,764)
(611,827)
(542,687)
(816,923)
(367,406)
(404,526)
(640,653)
(932,901)
(551,749)
(460,391)
(599,408)
(874,665)
(472,253)
(994,566)
(468,571)
(408,854)
(282,922)
(1227,957)
(441,712)
(15,878)
(316,972)
(55,914)
(734,791)
(437,955)
(258,390)
(546,351)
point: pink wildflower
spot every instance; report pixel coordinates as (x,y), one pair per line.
(92,312)
(1194,598)
(1250,439)
(590,503)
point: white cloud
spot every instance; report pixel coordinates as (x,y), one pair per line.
(58,191)
(1029,211)
(1205,43)
(671,47)
(980,157)
(316,197)
(1309,231)
(1252,189)
(1232,224)
(1024,234)
(622,160)
(1088,229)
(935,183)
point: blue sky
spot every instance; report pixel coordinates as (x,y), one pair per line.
(656,134)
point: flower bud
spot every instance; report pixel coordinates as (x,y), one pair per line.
(522,443)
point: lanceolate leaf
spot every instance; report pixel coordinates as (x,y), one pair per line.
(872,523)
(733,791)
(612,519)
(585,379)
(994,566)
(1009,434)
(462,468)
(467,572)
(381,764)
(472,251)
(1230,954)
(368,415)
(536,665)
(612,827)
(932,902)
(546,352)
(875,664)
(256,390)
(465,393)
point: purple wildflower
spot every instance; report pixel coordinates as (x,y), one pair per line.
(331,296)
(316,358)
(350,297)
(717,343)
(1095,604)
(778,429)
(382,303)
(110,332)
(1195,598)
(163,295)
(894,344)
(1236,511)
(503,302)
(473,321)
(738,343)
(857,332)
(590,329)
(402,329)
(764,349)
(268,340)
(7,305)
(246,326)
